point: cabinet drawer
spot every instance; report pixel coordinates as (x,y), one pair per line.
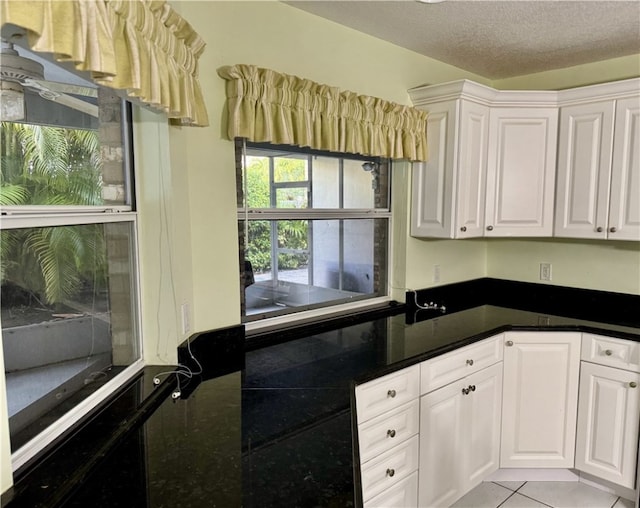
(389,468)
(388,430)
(620,353)
(403,494)
(387,392)
(457,364)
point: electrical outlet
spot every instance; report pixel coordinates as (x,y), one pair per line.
(186,325)
(545,271)
(436,273)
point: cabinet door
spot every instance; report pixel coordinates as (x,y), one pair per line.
(624,207)
(432,181)
(585,149)
(483,413)
(540,398)
(442,436)
(608,415)
(521,171)
(470,172)
(459,436)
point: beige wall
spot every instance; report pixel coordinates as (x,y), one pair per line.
(277,36)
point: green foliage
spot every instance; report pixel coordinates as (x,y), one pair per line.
(51,166)
(291,234)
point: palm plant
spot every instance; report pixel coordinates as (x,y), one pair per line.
(48,166)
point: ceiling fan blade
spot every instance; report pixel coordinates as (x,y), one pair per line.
(58,87)
(61,98)
(73,102)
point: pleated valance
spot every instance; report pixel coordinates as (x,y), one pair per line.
(267,106)
(141,46)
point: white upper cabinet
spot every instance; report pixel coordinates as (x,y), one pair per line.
(491,163)
(624,208)
(521,171)
(500,163)
(584,170)
(598,181)
(448,190)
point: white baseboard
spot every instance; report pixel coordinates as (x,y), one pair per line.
(533,475)
(612,488)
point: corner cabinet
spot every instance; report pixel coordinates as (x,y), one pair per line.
(598,184)
(500,164)
(491,167)
(540,399)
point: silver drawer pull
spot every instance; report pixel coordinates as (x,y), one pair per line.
(469,362)
(391,472)
(509,343)
(633,384)
(391,393)
(391,433)
(608,352)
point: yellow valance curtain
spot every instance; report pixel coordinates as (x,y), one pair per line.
(267,106)
(141,46)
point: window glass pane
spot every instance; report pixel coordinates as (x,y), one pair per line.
(68,318)
(291,197)
(326,182)
(343,263)
(359,184)
(292,168)
(257,182)
(59,156)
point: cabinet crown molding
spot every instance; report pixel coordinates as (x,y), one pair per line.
(486,95)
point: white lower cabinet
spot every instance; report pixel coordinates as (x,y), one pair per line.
(608,420)
(516,400)
(541,372)
(403,494)
(459,436)
(386,470)
(387,411)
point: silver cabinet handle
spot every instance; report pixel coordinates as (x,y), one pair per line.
(633,384)
(391,393)
(391,433)
(509,343)
(489,228)
(469,363)
(608,352)
(391,472)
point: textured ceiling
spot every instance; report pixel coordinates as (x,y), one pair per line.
(495,39)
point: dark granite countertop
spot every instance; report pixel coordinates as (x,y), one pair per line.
(273,426)
(427,334)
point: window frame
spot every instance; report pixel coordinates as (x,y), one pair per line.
(34,216)
(245,215)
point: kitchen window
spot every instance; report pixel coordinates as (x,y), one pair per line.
(70,332)
(313,228)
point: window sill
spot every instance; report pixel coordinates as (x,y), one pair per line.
(283,328)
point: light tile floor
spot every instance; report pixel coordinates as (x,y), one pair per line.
(540,494)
